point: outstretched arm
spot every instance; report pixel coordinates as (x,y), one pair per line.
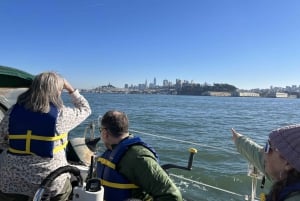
(249,149)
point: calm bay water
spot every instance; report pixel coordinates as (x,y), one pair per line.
(173,124)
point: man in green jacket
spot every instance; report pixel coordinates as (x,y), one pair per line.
(129,167)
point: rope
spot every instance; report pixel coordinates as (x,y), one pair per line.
(183,141)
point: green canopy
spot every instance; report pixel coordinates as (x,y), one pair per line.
(14,78)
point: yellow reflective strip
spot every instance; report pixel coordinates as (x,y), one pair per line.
(107,163)
(28,136)
(17,137)
(58,137)
(118,185)
(55,150)
(18,151)
(36,137)
(60,147)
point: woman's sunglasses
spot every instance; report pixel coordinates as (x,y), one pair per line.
(268,147)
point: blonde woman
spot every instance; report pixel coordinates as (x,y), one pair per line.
(33,135)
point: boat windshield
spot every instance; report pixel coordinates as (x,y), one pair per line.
(8,97)
(13,82)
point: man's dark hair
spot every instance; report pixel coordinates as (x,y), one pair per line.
(116,122)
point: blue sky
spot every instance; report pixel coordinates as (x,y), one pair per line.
(246,43)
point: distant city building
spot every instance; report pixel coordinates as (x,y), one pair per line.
(178,84)
(165,83)
(248,94)
(292,96)
(142,86)
(281,95)
(217,93)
